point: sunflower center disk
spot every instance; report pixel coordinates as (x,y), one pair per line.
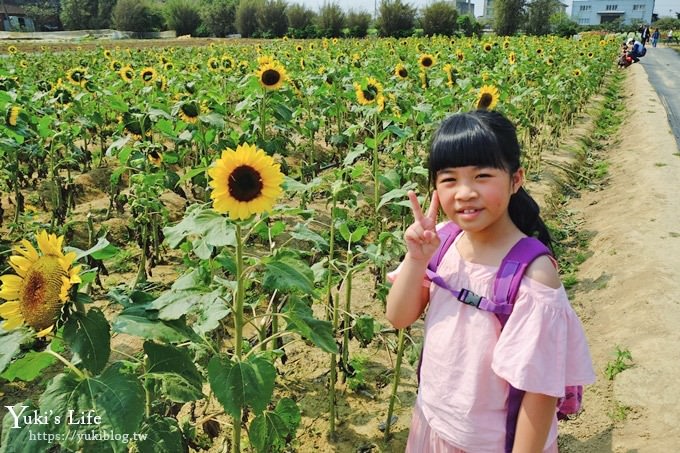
(39,295)
(271,77)
(245,183)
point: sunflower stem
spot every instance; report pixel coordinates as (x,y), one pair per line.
(66,362)
(238,328)
(395,383)
(376,175)
(263,117)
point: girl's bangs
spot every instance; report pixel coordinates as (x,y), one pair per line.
(463,145)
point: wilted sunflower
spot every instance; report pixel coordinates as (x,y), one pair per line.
(76,75)
(189,112)
(400,71)
(127,74)
(44,86)
(369,93)
(136,124)
(12,116)
(426,61)
(245,181)
(62,95)
(488,97)
(271,76)
(37,293)
(148,75)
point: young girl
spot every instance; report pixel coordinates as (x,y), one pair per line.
(468,363)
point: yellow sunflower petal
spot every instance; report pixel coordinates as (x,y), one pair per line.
(20,264)
(9,292)
(13,323)
(10,309)
(28,251)
(10,281)
(45,332)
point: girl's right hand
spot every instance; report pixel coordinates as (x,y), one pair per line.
(421,237)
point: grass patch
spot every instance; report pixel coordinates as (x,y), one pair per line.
(621,362)
(660,164)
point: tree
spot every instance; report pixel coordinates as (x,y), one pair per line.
(45,14)
(86,14)
(182,16)
(538,16)
(246,18)
(439,18)
(136,15)
(562,25)
(330,21)
(508,16)
(467,25)
(272,19)
(357,24)
(396,19)
(219,17)
(301,21)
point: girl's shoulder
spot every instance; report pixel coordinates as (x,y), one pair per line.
(544,270)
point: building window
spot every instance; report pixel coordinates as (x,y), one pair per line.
(612,7)
(638,7)
(584,8)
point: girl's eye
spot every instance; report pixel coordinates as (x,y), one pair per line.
(484,175)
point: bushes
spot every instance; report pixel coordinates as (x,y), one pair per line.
(396,19)
(271,18)
(301,21)
(135,15)
(439,18)
(357,24)
(331,21)
(182,16)
(219,17)
(246,18)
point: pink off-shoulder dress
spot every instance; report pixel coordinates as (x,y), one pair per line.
(467,361)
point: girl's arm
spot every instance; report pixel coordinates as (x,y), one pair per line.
(535,417)
(407,297)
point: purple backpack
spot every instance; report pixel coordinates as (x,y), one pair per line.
(505,288)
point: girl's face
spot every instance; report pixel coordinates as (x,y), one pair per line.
(477,198)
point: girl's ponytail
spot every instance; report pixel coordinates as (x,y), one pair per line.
(525,214)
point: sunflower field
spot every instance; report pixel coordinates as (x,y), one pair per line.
(216,207)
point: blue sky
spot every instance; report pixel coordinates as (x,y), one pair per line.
(661,7)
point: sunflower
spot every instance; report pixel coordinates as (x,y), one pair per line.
(460,55)
(400,71)
(539,51)
(271,76)
(162,83)
(168,66)
(135,124)
(36,295)
(213,64)
(369,93)
(155,157)
(127,74)
(44,86)
(487,47)
(299,48)
(23,64)
(148,75)
(12,50)
(512,58)
(245,181)
(76,75)
(189,112)
(451,74)
(506,44)
(488,97)
(550,61)
(591,54)
(107,54)
(12,116)
(426,61)
(577,72)
(115,65)
(62,95)
(227,62)
(89,85)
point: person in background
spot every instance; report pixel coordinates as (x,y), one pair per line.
(655,37)
(644,36)
(669,36)
(635,51)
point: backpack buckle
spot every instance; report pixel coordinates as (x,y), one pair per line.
(469,298)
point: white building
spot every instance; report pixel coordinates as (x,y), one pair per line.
(595,12)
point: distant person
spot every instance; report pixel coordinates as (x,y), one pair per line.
(637,50)
(669,36)
(644,36)
(655,37)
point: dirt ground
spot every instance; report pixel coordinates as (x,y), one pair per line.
(631,293)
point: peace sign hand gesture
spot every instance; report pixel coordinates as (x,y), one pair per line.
(421,237)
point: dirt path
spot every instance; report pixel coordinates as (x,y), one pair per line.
(630,290)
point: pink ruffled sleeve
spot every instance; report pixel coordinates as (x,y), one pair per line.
(543,347)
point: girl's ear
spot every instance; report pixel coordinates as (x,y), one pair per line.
(517,180)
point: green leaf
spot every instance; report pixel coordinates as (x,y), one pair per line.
(102,250)
(180,379)
(10,344)
(143,322)
(160,435)
(287,273)
(89,337)
(116,103)
(29,367)
(343,229)
(200,220)
(353,155)
(240,384)
(25,438)
(364,329)
(268,432)
(300,319)
(289,412)
(302,232)
(116,397)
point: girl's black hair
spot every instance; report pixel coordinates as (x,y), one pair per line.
(483,138)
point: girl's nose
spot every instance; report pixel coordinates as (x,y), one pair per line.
(465,192)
